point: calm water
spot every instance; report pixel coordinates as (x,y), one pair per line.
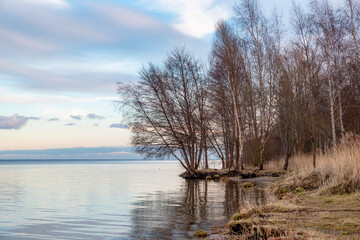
(112,200)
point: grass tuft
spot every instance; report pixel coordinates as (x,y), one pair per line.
(200,234)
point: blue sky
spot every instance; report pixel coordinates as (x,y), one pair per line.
(60,61)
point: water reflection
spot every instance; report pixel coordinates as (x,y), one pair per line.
(123,200)
(198,205)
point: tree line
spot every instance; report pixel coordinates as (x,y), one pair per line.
(267,91)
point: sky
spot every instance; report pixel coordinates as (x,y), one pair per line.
(60,61)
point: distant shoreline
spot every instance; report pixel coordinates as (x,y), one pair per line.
(81,160)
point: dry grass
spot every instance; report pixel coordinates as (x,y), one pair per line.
(310,216)
(337,171)
(306,214)
(274,165)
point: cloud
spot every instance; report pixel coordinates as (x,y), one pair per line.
(70,124)
(197,17)
(26,41)
(50,24)
(96,23)
(120,152)
(53,119)
(40,78)
(15,121)
(37,77)
(119,125)
(76,117)
(120,16)
(95,116)
(30,98)
(52,3)
(84,48)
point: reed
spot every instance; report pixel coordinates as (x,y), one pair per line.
(337,170)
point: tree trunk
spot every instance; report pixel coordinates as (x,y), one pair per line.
(261,165)
(332,112)
(206,155)
(286,165)
(341,118)
(314,151)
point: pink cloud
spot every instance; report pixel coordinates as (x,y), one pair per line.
(15,121)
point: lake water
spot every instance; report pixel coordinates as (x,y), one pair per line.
(112,200)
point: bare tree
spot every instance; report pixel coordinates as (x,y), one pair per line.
(262,97)
(351,14)
(228,66)
(326,28)
(254,30)
(167,110)
(309,67)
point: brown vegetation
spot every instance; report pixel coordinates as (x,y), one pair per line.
(200,234)
(310,216)
(320,203)
(337,172)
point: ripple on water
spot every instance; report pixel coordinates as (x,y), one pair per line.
(114,201)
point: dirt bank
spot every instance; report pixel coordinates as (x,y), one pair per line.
(303,215)
(222,173)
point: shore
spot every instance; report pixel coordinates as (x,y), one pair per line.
(304,216)
(226,173)
(295,214)
(321,202)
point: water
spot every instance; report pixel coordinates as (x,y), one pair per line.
(113,200)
